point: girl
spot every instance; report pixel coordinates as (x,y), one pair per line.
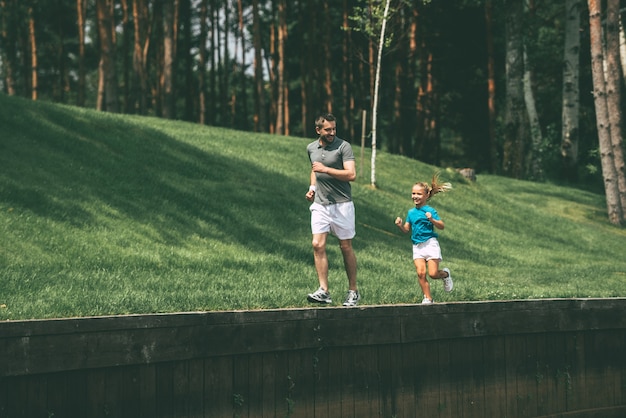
(421,221)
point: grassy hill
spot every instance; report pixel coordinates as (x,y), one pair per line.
(108,214)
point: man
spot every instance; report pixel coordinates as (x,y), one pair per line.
(332,210)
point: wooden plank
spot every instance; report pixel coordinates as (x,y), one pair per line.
(37,398)
(301,383)
(17,396)
(165,390)
(527,376)
(494,367)
(411,371)
(196,389)
(71,344)
(553,373)
(241,386)
(474,379)
(348,386)
(365,381)
(387,389)
(404,367)
(78,386)
(130,394)
(219,391)
(283,385)
(321,372)
(620,344)
(96,393)
(334,382)
(147,391)
(447,403)
(266,392)
(600,379)
(613,364)
(576,396)
(256,386)
(545,371)
(114,394)
(180,389)
(513,352)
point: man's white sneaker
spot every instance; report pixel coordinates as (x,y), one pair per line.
(448,284)
(427,301)
(352,298)
(319,296)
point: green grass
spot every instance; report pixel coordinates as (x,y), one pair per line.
(107,214)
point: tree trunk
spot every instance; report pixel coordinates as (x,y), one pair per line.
(225,67)
(8,51)
(535,169)
(202,111)
(140,54)
(347,96)
(108,75)
(622,46)
(259,97)
(186,16)
(214,44)
(427,144)
(272,69)
(167,80)
(327,62)
(613,97)
(381,43)
(491,89)
(156,56)
(609,173)
(515,119)
(571,94)
(280,80)
(126,70)
(305,68)
(33,54)
(243,87)
(408,144)
(62,82)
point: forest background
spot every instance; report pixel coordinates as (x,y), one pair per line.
(501,86)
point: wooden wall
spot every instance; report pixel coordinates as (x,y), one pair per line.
(539,358)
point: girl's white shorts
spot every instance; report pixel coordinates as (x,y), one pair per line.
(428,250)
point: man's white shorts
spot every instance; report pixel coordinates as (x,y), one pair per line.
(428,250)
(337,218)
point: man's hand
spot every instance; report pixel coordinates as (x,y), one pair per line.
(319,167)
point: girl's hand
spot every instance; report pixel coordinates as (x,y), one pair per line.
(398,221)
(429,216)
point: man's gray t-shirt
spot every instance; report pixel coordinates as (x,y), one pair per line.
(329,190)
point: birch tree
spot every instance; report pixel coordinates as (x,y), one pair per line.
(535,169)
(381,43)
(613,97)
(609,173)
(571,94)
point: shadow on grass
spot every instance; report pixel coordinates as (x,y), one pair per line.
(60,164)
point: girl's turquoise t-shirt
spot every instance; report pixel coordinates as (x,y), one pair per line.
(421,228)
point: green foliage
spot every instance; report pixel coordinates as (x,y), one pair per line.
(107,214)
(368,19)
